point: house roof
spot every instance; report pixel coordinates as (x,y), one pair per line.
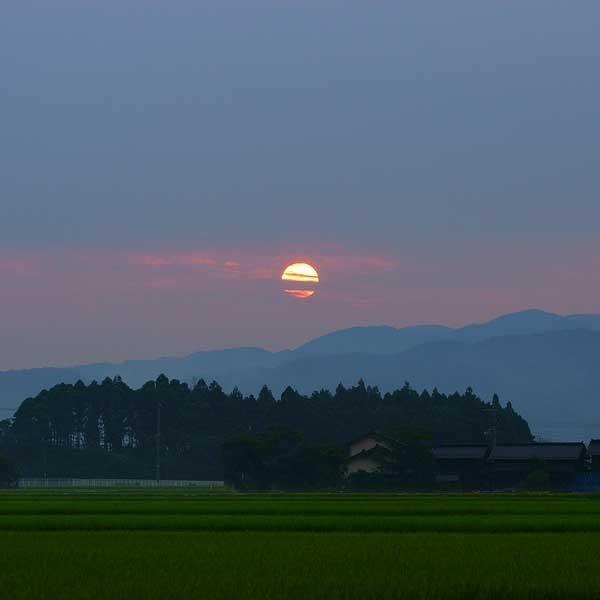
(375,453)
(378,440)
(372,435)
(460,452)
(546,451)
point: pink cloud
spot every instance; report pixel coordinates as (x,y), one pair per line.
(18,266)
(156,261)
(87,304)
(179,259)
(262,273)
(197,260)
(334,262)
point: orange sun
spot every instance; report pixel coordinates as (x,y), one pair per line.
(304,277)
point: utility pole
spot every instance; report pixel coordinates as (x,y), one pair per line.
(491,432)
(157,441)
(491,435)
(45,460)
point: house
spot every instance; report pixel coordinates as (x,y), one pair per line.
(457,466)
(461,466)
(480,466)
(364,454)
(510,464)
(367,443)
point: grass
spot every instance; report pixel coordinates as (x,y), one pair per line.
(116,544)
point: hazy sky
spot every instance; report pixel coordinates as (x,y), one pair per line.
(162,160)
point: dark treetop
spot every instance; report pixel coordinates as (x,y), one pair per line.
(109,429)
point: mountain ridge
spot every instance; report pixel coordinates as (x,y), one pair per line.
(426,355)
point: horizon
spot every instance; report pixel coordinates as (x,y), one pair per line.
(66,307)
(304,342)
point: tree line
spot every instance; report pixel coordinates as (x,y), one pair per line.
(108,429)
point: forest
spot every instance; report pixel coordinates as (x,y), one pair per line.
(199,431)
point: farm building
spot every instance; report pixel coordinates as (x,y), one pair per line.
(510,464)
(461,465)
(479,466)
(364,454)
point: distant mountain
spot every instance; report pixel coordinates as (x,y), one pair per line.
(524,323)
(546,364)
(552,379)
(215,363)
(15,386)
(373,340)
(388,340)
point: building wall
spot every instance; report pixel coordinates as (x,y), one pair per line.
(362,463)
(471,474)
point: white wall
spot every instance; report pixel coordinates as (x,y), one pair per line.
(362,463)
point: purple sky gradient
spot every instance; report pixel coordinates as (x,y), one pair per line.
(68,306)
(436,161)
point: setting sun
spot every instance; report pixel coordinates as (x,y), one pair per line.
(304,277)
(300,293)
(300,272)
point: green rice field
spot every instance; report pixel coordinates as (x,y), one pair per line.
(186,544)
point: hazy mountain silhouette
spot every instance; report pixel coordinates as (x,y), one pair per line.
(388,340)
(372,340)
(551,378)
(547,365)
(526,322)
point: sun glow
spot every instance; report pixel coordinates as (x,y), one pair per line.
(304,276)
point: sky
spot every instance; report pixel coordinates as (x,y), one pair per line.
(162,161)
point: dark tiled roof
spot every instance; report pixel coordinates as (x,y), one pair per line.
(460,452)
(594,448)
(372,435)
(549,451)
